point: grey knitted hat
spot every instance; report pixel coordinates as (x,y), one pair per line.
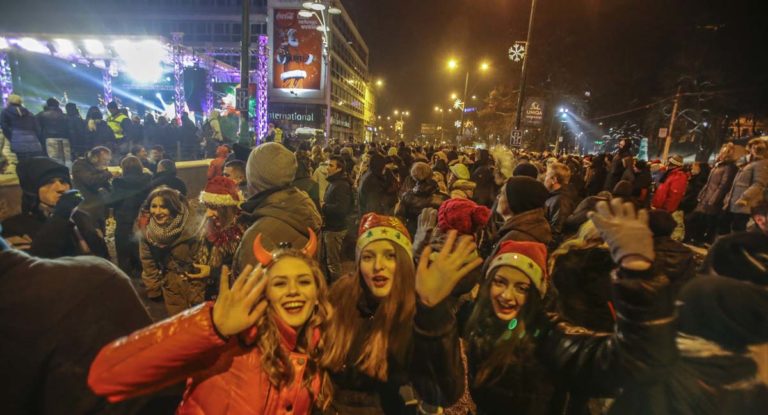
(270,165)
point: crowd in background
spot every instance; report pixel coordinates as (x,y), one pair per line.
(406,250)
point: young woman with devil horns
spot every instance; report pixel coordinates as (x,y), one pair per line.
(253,351)
(391,346)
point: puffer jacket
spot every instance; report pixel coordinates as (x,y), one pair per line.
(223,376)
(21,128)
(53,123)
(718,184)
(671,190)
(164,271)
(282,214)
(573,363)
(748,185)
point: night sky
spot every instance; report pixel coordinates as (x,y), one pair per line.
(625,52)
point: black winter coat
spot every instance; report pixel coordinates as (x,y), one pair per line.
(165,178)
(338,202)
(559,206)
(572,363)
(53,124)
(486,190)
(128,194)
(426,194)
(374,196)
(674,260)
(70,307)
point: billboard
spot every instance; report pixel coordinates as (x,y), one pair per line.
(298,48)
(533,111)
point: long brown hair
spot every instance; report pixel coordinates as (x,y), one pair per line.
(392,321)
(275,359)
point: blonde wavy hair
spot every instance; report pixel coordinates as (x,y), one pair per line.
(275,360)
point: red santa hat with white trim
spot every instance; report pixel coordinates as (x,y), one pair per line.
(530,258)
(221,191)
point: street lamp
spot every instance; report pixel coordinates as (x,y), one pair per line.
(323,10)
(453,64)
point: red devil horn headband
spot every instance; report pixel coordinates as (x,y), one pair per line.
(265,258)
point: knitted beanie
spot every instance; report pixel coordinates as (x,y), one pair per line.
(421,171)
(270,165)
(463,215)
(524,194)
(375,227)
(530,258)
(676,161)
(526,169)
(221,191)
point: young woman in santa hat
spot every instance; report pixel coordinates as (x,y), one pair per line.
(525,358)
(391,346)
(253,351)
(220,233)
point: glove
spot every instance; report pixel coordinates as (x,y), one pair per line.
(426,223)
(67,203)
(625,231)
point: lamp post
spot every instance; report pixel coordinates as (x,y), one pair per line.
(453,64)
(323,10)
(401,121)
(245,68)
(524,67)
(442,120)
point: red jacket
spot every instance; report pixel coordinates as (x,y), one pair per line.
(222,376)
(669,194)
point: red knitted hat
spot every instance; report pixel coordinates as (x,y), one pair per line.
(463,215)
(374,227)
(528,257)
(221,191)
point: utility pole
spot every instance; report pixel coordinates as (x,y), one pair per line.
(524,67)
(668,141)
(245,68)
(463,106)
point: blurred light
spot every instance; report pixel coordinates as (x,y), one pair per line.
(305,13)
(317,6)
(334,10)
(474,96)
(32,45)
(94,47)
(437,108)
(379,82)
(4,43)
(158,95)
(142,61)
(587,94)
(452,64)
(705,124)
(307,4)
(454,96)
(74,65)
(64,47)
(396,112)
(320,28)
(484,66)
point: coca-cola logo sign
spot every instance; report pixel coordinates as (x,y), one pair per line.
(284,15)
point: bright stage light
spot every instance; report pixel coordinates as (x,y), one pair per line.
(32,45)
(94,47)
(159,96)
(64,47)
(305,13)
(142,61)
(3,43)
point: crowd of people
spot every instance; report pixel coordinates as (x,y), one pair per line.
(376,279)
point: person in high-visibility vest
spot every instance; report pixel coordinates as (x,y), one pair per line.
(119,123)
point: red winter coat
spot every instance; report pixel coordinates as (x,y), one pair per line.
(670,193)
(222,376)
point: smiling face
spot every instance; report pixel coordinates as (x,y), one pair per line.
(159,211)
(291,290)
(509,292)
(378,264)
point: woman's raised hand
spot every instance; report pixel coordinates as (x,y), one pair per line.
(436,278)
(241,305)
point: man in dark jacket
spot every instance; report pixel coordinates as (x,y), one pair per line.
(20,127)
(55,132)
(277,211)
(55,317)
(166,176)
(76,130)
(374,188)
(337,206)
(561,202)
(91,177)
(521,205)
(43,228)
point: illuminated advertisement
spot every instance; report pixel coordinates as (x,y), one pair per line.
(298,46)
